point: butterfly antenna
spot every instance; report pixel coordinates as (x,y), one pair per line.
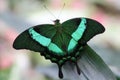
(61,10)
(49,11)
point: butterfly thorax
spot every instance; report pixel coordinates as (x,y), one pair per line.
(58,25)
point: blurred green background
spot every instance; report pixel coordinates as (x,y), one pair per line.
(18,15)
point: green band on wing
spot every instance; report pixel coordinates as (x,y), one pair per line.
(80,30)
(39,38)
(72,44)
(77,34)
(53,47)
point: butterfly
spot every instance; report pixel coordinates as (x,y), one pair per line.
(60,42)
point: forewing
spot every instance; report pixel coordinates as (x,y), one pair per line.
(92,28)
(83,29)
(25,40)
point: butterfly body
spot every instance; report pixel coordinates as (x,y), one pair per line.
(60,42)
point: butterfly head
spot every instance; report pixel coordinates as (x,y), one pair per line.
(56,22)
